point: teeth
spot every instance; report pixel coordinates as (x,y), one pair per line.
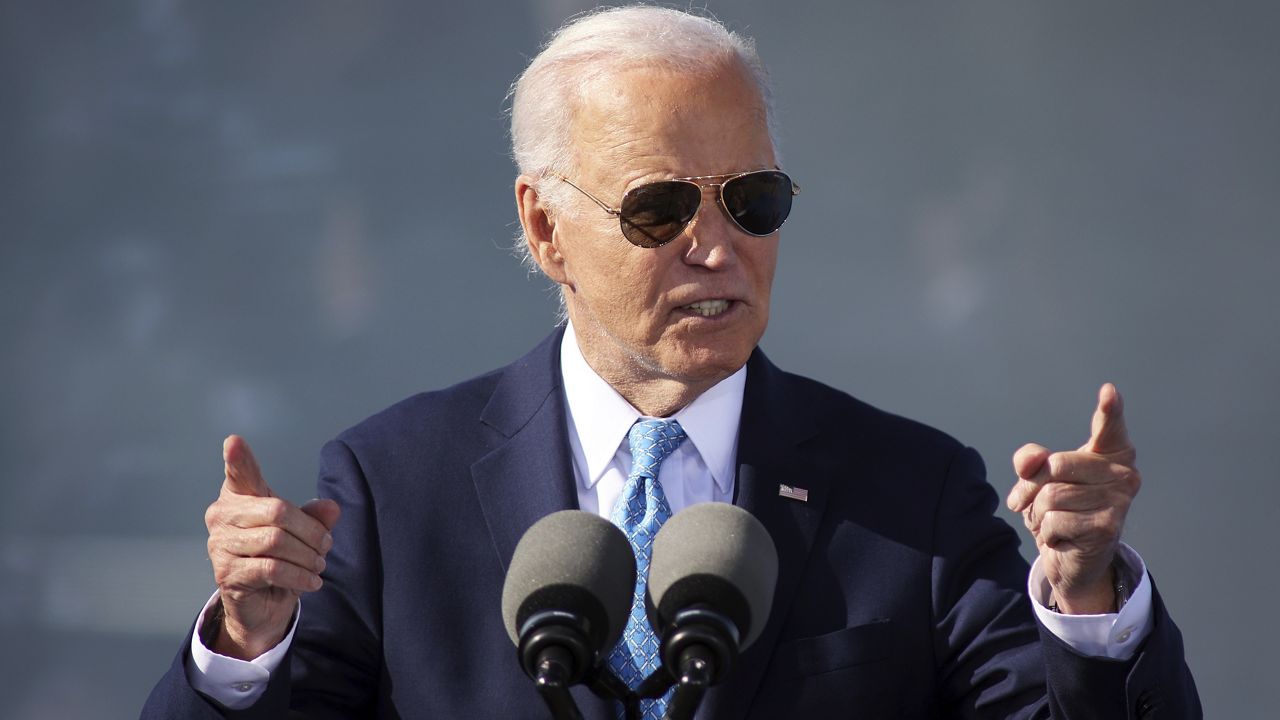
(708,308)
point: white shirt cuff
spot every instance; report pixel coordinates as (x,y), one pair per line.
(235,684)
(1110,635)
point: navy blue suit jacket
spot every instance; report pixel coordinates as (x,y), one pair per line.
(899,593)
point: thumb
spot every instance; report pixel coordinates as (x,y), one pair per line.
(325,510)
(1108,433)
(242,474)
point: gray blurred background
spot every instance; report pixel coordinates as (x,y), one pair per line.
(275,218)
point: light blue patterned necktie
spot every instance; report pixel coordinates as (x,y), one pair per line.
(640,511)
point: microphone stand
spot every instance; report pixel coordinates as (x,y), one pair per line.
(654,687)
(696,675)
(552,679)
(700,643)
(603,683)
(556,654)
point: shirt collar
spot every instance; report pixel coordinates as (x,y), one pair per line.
(602,417)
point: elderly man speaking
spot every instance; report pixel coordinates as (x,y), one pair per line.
(650,193)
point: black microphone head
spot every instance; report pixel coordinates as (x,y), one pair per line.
(572,562)
(719,556)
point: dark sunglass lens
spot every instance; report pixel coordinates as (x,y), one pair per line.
(759,202)
(654,214)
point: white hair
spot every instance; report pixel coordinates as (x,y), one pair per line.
(594,46)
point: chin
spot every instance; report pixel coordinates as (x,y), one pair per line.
(697,366)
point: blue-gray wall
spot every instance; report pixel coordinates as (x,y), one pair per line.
(274,218)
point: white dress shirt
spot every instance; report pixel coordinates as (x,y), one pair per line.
(700,470)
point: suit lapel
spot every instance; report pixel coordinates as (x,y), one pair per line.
(529,474)
(772,427)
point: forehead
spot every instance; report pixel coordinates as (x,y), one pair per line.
(657,121)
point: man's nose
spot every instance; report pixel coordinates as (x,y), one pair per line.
(711,233)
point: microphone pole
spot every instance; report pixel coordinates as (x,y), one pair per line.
(551,678)
(698,651)
(604,684)
(695,678)
(552,649)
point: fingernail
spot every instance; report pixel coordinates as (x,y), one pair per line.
(316,582)
(320,564)
(326,543)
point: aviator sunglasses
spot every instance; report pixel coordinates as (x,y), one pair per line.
(654,214)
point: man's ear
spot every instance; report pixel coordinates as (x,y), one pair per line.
(539,229)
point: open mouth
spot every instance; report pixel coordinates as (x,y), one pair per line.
(707,308)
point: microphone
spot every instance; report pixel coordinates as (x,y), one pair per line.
(711,583)
(566,599)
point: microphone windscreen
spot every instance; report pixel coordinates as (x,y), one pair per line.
(717,555)
(575,562)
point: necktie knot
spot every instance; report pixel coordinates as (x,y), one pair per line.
(651,442)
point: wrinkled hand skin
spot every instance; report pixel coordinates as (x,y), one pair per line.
(1074,504)
(266,552)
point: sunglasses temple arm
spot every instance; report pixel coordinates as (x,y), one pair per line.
(612,211)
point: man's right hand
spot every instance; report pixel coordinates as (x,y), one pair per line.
(266,552)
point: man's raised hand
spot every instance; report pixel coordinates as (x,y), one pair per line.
(1075,503)
(265,551)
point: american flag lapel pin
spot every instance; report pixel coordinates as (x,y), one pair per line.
(795,493)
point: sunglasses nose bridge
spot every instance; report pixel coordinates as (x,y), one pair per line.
(712,237)
(716,201)
(716,189)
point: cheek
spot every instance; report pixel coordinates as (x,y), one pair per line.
(763,261)
(584,254)
(604,277)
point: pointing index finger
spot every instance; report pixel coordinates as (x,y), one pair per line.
(1108,432)
(243,477)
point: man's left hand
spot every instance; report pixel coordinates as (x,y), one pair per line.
(1075,503)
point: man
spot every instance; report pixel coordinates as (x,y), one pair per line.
(649,192)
